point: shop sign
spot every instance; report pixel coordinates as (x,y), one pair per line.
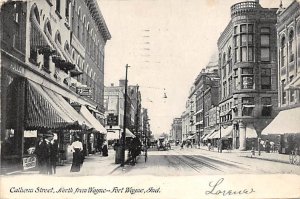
(17,68)
(84,91)
(112,120)
(29,162)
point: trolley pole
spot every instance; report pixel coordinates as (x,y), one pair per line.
(124,120)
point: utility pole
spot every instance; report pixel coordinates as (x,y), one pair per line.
(124,120)
(137,110)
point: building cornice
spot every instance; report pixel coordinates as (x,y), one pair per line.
(98,18)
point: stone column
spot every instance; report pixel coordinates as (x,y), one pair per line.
(242,129)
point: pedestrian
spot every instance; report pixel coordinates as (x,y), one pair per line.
(268,146)
(105,149)
(252,149)
(272,147)
(209,146)
(53,155)
(76,148)
(43,153)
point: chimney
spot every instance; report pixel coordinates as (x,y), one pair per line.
(122,82)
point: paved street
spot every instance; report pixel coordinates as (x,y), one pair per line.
(179,162)
(201,162)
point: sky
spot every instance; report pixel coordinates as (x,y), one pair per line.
(166,43)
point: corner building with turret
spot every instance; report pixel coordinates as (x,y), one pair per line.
(248,73)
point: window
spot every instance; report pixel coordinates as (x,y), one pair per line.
(248,105)
(266,78)
(283,84)
(266,106)
(235,29)
(236,55)
(250,39)
(265,54)
(283,52)
(292,95)
(58,38)
(247,82)
(291,50)
(250,28)
(57,6)
(264,40)
(244,39)
(247,78)
(235,41)
(16,13)
(243,54)
(243,28)
(250,53)
(67,10)
(230,85)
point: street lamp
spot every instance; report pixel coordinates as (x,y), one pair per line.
(124,120)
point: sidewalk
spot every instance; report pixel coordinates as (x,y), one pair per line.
(275,157)
(94,164)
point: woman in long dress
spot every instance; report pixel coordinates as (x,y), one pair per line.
(77,148)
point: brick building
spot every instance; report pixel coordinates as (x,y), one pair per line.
(288,42)
(248,72)
(54,72)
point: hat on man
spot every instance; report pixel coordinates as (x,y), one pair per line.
(48,134)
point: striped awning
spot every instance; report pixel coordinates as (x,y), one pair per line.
(42,111)
(94,122)
(68,109)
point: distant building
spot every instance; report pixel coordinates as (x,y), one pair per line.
(114,104)
(248,72)
(176,130)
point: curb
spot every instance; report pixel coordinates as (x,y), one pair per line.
(266,159)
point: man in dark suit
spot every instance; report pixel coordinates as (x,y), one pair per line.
(53,156)
(43,152)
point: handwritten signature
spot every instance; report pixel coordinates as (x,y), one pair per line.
(216,190)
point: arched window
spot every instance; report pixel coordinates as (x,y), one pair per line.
(83,30)
(47,27)
(78,23)
(73,55)
(58,38)
(34,14)
(67,47)
(87,37)
(291,43)
(229,53)
(224,59)
(283,51)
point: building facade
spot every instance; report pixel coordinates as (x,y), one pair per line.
(287,136)
(114,105)
(48,72)
(248,71)
(176,130)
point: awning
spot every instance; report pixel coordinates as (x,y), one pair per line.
(191,137)
(43,112)
(225,133)
(250,131)
(94,122)
(208,135)
(68,109)
(129,133)
(287,121)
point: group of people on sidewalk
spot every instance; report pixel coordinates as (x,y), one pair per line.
(47,153)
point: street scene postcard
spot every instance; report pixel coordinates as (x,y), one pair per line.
(150,99)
